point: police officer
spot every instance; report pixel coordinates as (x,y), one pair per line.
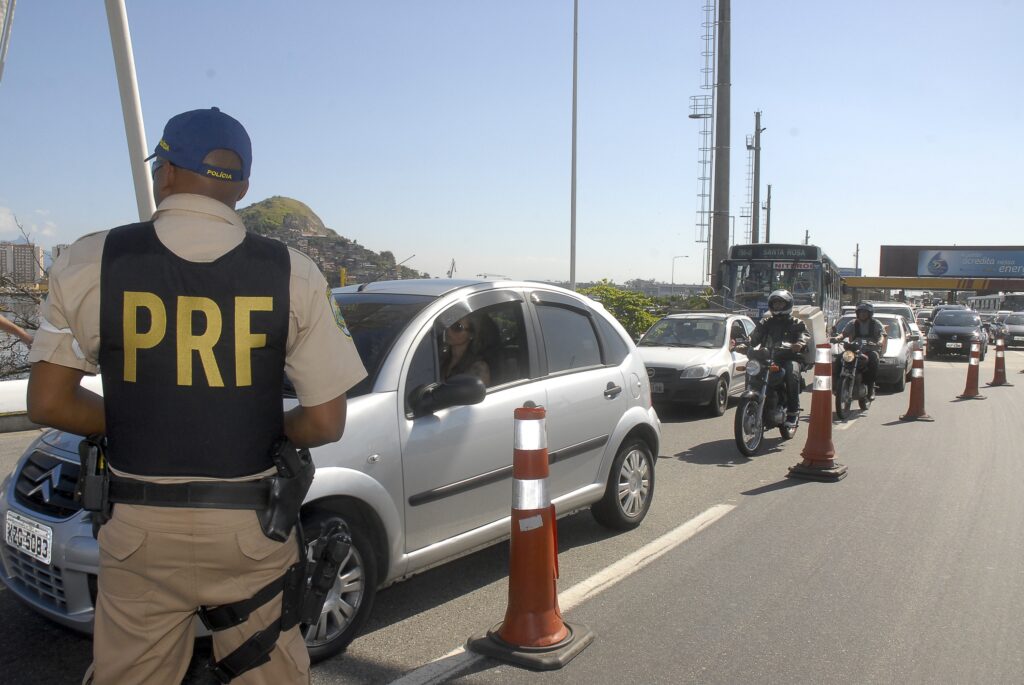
(864,326)
(777,327)
(194,322)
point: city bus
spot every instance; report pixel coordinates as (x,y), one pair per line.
(990,304)
(753,271)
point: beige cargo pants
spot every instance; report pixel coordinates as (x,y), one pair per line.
(157,566)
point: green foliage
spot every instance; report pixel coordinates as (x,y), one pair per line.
(269,215)
(632,309)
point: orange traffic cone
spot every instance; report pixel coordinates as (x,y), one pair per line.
(819,452)
(916,411)
(971,389)
(999,378)
(533,633)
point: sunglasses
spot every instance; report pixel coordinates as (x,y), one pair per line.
(458,326)
(155,166)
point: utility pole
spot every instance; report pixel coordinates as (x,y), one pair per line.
(807,237)
(856,260)
(755,205)
(720,226)
(768,217)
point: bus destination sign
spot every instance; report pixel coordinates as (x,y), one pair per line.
(776,251)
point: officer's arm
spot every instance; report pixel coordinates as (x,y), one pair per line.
(56,398)
(316,425)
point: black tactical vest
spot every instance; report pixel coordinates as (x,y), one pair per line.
(192,355)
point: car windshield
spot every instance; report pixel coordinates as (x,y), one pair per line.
(904,311)
(708,333)
(1015,320)
(955,317)
(374,320)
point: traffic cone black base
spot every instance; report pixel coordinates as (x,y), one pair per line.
(923,417)
(1004,384)
(830,474)
(548,658)
(971,397)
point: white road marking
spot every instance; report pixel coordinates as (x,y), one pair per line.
(846,424)
(459,659)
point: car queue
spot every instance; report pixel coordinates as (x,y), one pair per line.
(422,474)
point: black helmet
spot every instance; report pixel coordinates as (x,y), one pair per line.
(866,307)
(780,303)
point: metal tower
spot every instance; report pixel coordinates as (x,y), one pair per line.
(702,107)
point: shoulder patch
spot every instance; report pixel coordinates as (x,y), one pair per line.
(336,310)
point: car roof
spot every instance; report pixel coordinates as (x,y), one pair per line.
(436,287)
(704,315)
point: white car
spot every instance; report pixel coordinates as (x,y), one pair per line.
(424,471)
(691,358)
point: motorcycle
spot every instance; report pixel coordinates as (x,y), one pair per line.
(851,384)
(763,405)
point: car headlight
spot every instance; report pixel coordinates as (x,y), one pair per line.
(933,336)
(700,371)
(848,356)
(753,367)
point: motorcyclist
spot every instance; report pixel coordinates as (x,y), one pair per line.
(864,326)
(780,326)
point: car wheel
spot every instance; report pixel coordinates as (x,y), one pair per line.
(350,600)
(627,497)
(720,402)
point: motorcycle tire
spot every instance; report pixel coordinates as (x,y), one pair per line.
(844,398)
(748,427)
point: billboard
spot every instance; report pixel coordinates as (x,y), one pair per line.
(971,263)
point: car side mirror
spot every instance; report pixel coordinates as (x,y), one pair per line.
(913,337)
(459,390)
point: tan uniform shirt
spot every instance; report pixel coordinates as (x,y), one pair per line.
(321,359)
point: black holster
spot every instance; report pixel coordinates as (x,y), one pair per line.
(287,489)
(93,486)
(326,555)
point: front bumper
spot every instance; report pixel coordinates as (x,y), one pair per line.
(890,370)
(682,390)
(64,591)
(941,347)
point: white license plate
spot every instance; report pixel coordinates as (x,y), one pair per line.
(957,345)
(657,387)
(28,536)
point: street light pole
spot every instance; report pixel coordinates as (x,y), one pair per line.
(572,201)
(679,256)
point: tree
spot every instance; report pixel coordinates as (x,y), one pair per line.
(21,309)
(632,309)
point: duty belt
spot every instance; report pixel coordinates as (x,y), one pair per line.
(199,494)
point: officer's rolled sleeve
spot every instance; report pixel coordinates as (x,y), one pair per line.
(322,361)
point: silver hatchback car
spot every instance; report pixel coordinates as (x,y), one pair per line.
(424,471)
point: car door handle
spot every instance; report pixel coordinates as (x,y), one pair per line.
(612,391)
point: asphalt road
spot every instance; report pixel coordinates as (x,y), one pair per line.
(907,571)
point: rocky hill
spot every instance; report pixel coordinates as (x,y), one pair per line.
(298,226)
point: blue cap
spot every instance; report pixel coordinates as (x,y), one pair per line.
(190,136)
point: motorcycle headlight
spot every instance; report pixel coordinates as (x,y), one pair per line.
(753,367)
(700,371)
(848,356)
(933,336)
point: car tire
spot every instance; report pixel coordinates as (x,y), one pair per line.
(351,599)
(720,402)
(630,489)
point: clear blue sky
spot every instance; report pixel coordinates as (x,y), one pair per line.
(442,128)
